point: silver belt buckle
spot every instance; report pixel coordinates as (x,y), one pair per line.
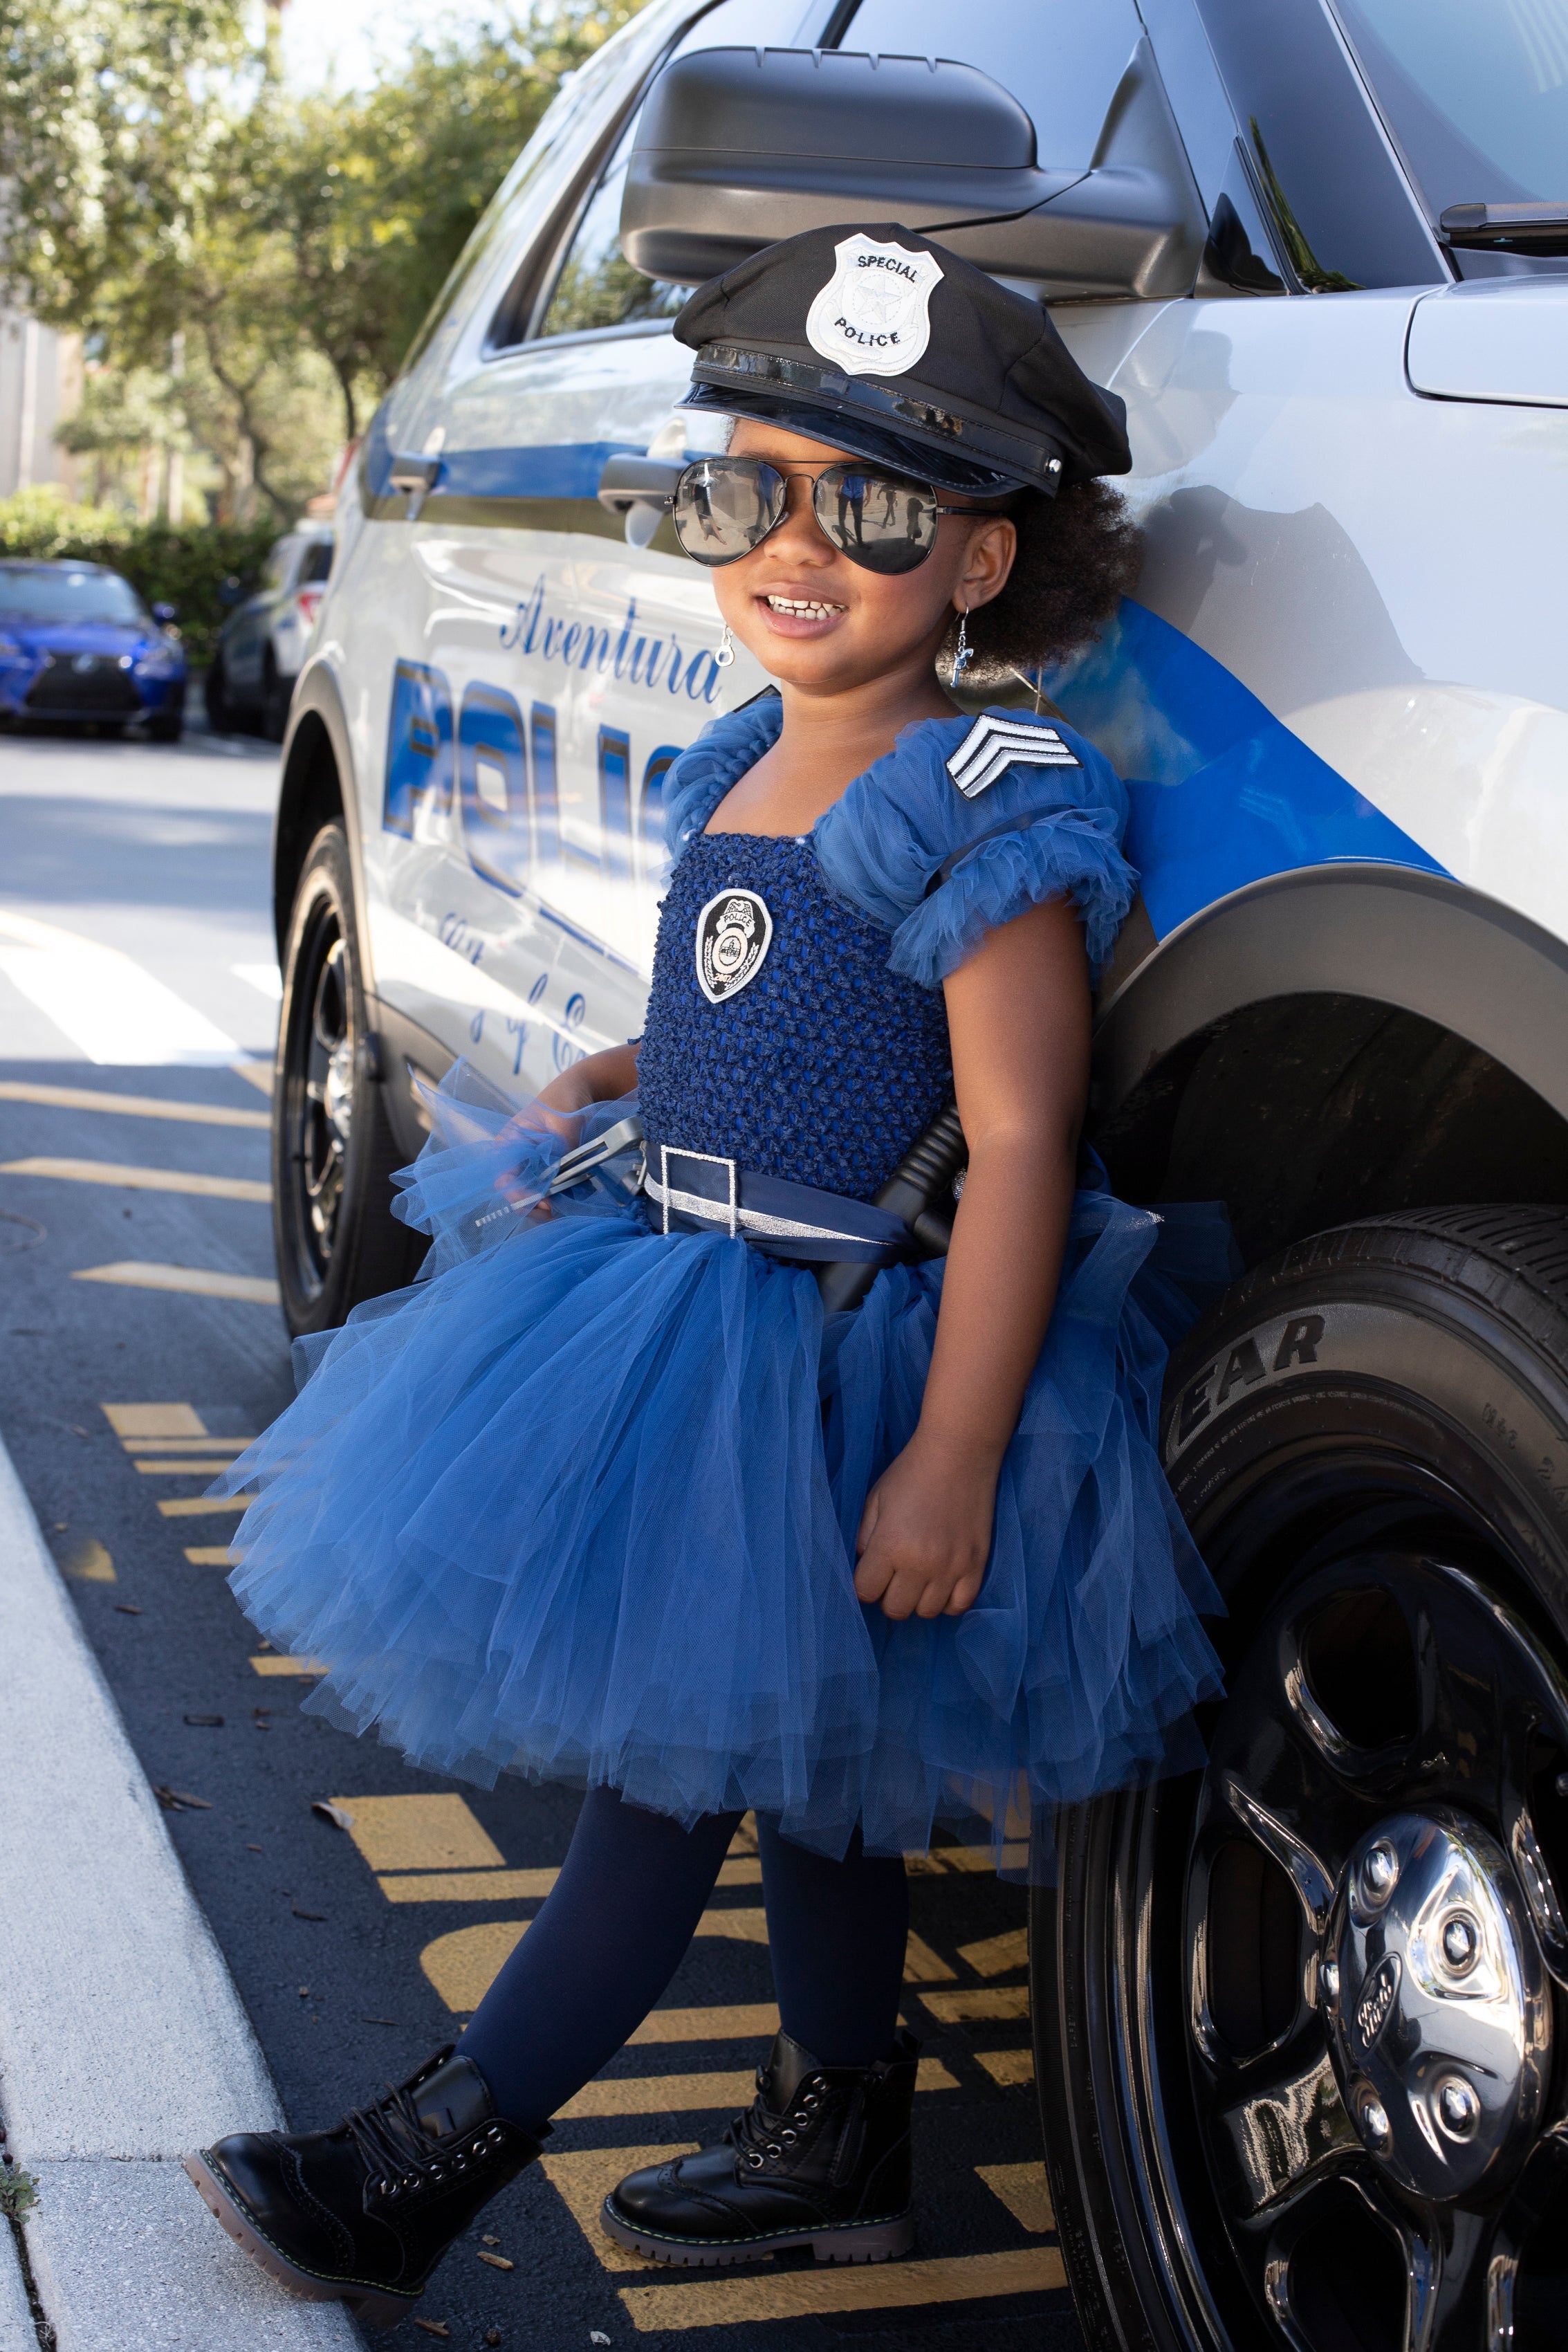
(713,1160)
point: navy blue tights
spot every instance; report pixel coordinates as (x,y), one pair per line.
(617,1924)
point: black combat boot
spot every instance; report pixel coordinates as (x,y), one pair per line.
(822,2160)
(364,2213)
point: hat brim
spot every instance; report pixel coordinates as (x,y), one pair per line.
(842,426)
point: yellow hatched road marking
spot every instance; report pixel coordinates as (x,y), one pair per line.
(468,1886)
(437,1832)
(193,1281)
(585,2178)
(860,2287)
(740,1926)
(1007,2066)
(140,1179)
(922,1965)
(132,1106)
(186,1469)
(735,2024)
(977,2002)
(161,1420)
(269,1663)
(1022,2189)
(512,1885)
(678,2095)
(211,1556)
(187,1445)
(203,1506)
(464,1965)
(997,1953)
(89,1562)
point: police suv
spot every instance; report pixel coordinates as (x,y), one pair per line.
(1299,2019)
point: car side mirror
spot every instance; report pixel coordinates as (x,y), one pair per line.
(165,613)
(736,148)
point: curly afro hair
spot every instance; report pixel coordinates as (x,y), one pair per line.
(1078,555)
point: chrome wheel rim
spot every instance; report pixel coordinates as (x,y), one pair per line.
(318,1083)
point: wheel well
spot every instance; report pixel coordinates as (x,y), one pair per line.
(1307,1110)
(310,796)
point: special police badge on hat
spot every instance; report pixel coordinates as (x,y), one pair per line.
(874,315)
(735,931)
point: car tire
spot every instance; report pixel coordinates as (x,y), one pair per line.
(333,1150)
(221,715)
(167,728)
(275,696)
(1369,1438)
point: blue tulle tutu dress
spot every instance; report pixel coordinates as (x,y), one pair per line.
(582,1503)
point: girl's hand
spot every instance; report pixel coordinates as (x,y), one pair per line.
(601,1077)
(926,1533)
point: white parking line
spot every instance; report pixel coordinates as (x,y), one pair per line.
(139,1180)
(196,1281)
(129,1106)
(110,1008)
(264,976)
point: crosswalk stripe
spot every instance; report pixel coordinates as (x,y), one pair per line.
(868,2286)
(198,1281)
(109,1006)
(130,1106)
(679,2094)
(139,1180)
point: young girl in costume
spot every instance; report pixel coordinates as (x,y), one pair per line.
(616,1494)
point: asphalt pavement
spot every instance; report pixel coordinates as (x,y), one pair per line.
(142,1344)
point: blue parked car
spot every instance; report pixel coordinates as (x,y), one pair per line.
(78,643)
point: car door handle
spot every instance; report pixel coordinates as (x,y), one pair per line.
(628,481)
(416,477)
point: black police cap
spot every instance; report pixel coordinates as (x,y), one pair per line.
(881,342)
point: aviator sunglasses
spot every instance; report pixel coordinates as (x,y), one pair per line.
(724,508)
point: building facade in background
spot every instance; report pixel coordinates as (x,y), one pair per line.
(40,384)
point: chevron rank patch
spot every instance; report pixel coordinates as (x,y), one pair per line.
(992,746)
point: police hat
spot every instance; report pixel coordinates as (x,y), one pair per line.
(881,342)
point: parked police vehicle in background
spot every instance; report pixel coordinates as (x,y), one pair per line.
(262,644)
(1299,2019)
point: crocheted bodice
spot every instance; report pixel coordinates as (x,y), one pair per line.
(821,1068)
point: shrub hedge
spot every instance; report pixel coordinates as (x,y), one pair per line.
(184,564)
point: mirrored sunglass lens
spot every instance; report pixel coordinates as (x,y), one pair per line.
(725,507)
(879,522)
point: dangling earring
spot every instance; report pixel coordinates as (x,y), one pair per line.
(726,652)
(961,651)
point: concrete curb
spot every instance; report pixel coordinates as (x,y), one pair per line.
(123,2042)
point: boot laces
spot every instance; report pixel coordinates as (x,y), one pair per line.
(764,2136)
(400,2155)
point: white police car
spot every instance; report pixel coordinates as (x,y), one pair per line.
(1298,2017)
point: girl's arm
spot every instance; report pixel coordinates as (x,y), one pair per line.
(1017,1013)
(598,1077)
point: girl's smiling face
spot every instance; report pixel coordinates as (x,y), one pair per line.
(816,621)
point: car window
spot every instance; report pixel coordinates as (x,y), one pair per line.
(275,570)
(1060,58)
(317,561)
(56,593)
(1344,212)
(595,285)
(1476,92)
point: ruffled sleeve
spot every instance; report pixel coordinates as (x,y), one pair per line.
(696,782)
(939,868)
